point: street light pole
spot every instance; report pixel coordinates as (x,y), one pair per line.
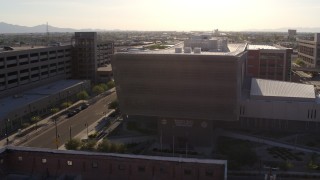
(86,125)
(70,133)
(55,123)
(7,131)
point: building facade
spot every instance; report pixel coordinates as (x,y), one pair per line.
(181,90)
(22,69)
(53,164)
(88,55)
(309,51)
(269,62)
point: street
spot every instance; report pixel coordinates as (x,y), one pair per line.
(77,124)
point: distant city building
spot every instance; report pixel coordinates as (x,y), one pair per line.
(269,62)
(207,43)
(88,55)
(292,33)
(309,51)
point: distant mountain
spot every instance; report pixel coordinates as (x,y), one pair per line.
(10,28)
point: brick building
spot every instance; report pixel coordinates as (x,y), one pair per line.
(269,62)
(22,162)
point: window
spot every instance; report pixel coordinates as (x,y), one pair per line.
(209,172)
(44,161)
(162,170)
(1,161)
(187,172)
(121,167)
(94,165)
(141,169)
(20,158)
(69,163)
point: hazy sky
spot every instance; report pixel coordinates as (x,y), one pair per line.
(163,14)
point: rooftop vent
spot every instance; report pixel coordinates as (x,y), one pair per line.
(178,50)
(197,50)
(187,50)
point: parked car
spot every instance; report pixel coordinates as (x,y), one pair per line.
(84,106)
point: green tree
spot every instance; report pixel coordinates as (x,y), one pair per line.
(73,144)
(104,146)
(111,84)
(97,89)
(103,86)
(88,145)
(66,105)
(82,95)
(35,119)
(299,62)
(54,110)
(113,105)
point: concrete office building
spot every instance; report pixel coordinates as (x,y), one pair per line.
(181,90)
(292,33)
(269,62)
(25,68)
(279,105)
(35,163)
(309,51)
(207,43)
(88,55)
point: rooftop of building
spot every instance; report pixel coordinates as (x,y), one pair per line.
(105,68)
(23,48)
(131,156)
(11,103)
(233,50)
(257,47)
(281,90)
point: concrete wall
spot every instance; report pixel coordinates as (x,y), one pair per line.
(178,85)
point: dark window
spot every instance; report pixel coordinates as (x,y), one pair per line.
(209,173)
(121,167)
(141,169)
(94,165)
(187,172)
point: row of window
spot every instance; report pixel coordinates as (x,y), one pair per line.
(122,167)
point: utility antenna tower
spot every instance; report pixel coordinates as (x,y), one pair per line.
(47,34)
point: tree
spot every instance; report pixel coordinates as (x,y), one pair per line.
(82,95)
(113,105)
(104,146)
(54,110)
(73,144)
(97,89)
(111,84)
(88,145)
(35,119)
(103,86)
(299,62)
(66,105)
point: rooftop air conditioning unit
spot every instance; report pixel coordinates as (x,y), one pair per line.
(187,50)
(197,50)
(178,50)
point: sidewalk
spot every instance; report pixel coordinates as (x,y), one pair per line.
(93,128)
(43,125)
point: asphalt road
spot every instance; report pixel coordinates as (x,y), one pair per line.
(77,124)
